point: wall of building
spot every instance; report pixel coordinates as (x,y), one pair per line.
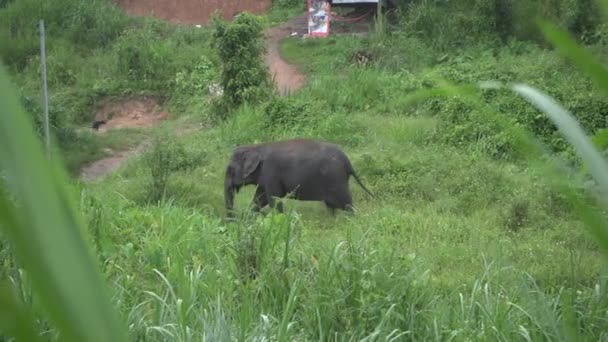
(192,11)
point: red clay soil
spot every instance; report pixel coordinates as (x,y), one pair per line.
(192,11)
(286,75)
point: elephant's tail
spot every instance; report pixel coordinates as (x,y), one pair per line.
(350,170)
(361,184)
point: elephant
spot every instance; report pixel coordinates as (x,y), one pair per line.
(308,169)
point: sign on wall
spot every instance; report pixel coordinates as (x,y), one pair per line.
(318,18)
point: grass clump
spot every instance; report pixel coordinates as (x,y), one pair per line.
(166,157)
(244,76)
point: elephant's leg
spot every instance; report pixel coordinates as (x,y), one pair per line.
(272,191)
(349,209)
(340,199)
(259,199)
(275,204)
(332,209)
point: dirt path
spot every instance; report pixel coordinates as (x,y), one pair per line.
(103,167)
(286,75)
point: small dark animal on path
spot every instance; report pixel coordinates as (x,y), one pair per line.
(310,170)
(97,124)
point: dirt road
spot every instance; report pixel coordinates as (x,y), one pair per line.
(287,76)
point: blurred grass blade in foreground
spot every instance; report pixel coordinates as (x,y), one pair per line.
(571,130)
(15,319)
(582,58)
(45,231)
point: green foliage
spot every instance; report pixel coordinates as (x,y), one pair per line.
(145,59)
(160,165)
(166,157)
(244,76)
(285,114)
(457,24)
(287,3)
(89,24)
(395,71)
(197,81)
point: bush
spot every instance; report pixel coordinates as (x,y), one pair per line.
(461,125)
(166,157)
(289,114)
(244,76)
(195,82)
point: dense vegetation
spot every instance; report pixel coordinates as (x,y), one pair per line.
(467,240)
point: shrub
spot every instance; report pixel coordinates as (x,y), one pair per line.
(161,161)
(244,76)
(288,114)
(167,156)
(195,82)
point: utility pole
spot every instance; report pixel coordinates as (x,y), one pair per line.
(45,95)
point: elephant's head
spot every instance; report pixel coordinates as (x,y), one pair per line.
(241,170)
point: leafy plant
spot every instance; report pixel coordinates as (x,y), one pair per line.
(197,81)
(243,74)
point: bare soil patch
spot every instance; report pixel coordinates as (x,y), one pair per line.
(131,112)
(191,11)
(134,112)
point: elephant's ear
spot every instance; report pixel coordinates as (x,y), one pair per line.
(252,160)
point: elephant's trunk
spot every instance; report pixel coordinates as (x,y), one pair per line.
(229,191)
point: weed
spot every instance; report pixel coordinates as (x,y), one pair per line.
(160,162)
(517,215)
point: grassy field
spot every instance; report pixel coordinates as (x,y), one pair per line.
(465,241)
